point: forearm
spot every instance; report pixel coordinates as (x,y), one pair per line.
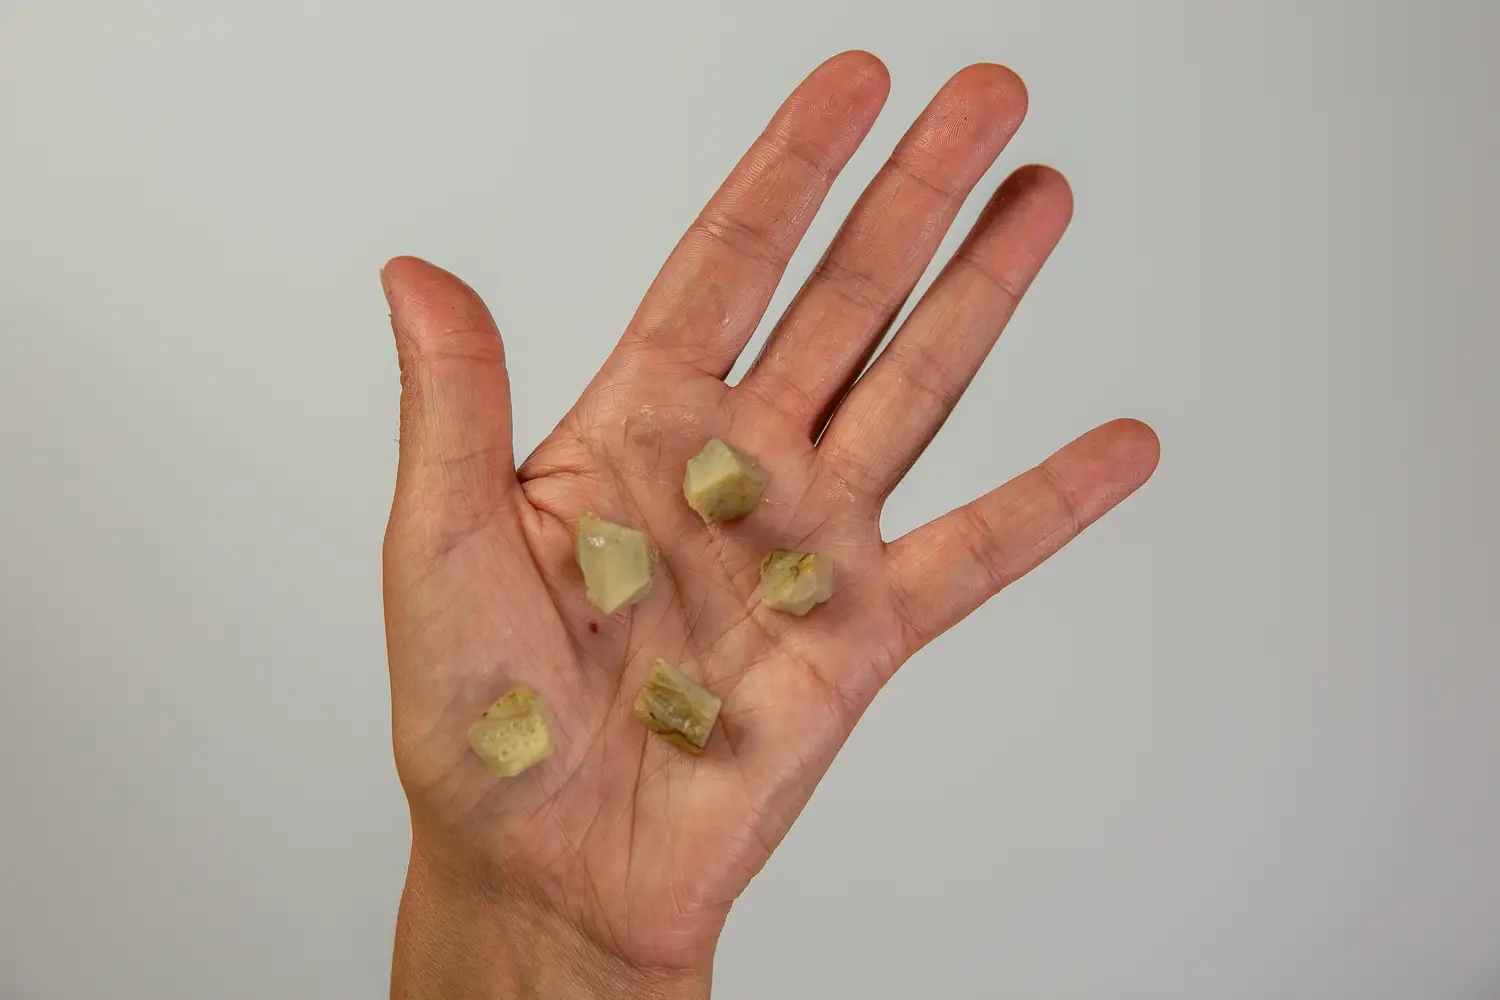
(455,941)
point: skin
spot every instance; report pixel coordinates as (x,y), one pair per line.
(609,869)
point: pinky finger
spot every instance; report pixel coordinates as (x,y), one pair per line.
(945,569)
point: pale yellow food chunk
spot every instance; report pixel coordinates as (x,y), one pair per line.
(513,734)
(677,707)
(617,563)
(722,482)
(795,581)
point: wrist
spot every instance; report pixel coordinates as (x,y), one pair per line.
(458,940)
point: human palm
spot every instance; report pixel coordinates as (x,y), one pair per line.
(638,846)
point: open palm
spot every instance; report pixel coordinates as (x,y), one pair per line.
(638,846)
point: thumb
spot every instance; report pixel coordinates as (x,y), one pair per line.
(455,397)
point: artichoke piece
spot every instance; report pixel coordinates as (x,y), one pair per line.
(677,707)
(617,563)
(722,482)
(513,734)
(795,581)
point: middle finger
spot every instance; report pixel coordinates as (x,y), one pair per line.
(828,333)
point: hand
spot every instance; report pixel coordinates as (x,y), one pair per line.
(610,868)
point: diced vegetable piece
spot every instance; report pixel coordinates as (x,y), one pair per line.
(677,707)
(722,482)
(617,563)
(795,581)
(513,734)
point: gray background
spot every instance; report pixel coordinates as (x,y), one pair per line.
(1243,741)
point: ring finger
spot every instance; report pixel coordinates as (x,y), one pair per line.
(885,244)
(897,406)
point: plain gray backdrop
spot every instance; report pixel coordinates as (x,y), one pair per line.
(1241,741)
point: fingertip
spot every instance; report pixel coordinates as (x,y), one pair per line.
(1039,186)
(1134,444)
(433,310)
(865,70)
(996,85)
(397,261)
(858,77)
(1041,177)
(402,271)
(1058,183)
(404,277)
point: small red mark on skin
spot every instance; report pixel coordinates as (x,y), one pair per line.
(594,627)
